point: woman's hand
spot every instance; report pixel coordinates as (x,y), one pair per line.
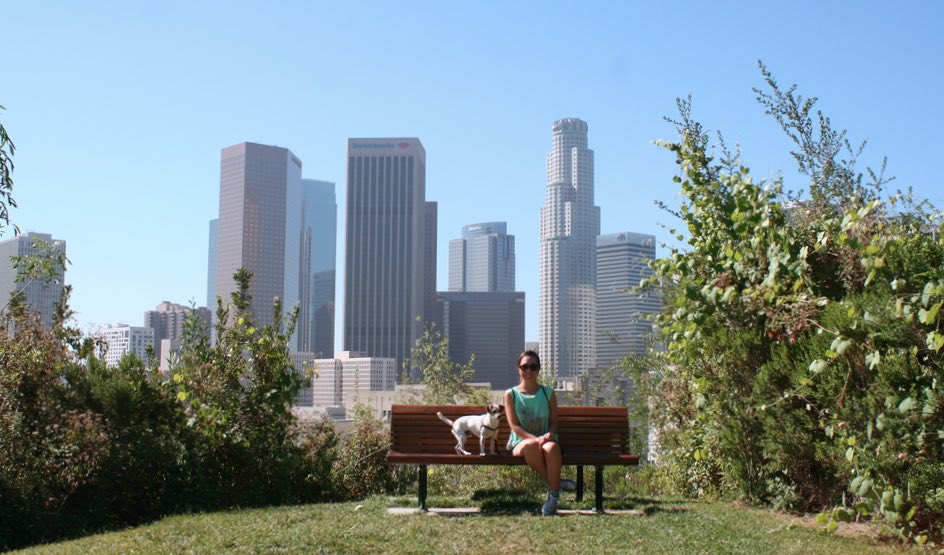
(545,438)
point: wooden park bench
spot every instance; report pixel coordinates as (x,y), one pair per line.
(597,436)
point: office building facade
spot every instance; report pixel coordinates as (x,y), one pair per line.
(259,225)
(570,223)
(38,295)
(123,339)
(346,379)
(211,264)
(168,319)
(489,325)
(624,314)
(386,289)
(483,259)
(319,224)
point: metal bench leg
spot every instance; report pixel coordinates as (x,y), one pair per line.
(579,495)
(598,487)
(422,477)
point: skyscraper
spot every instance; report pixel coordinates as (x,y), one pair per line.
(623,314)
(569,225)
(167,320)
(430,239)
(211,265)
(319,219)
(385,271)
(123,339)
(38,295)
(259,225)
(483,259)
(489,325)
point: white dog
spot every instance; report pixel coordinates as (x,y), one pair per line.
(485,426)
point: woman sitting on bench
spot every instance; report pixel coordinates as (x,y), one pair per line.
(531,409)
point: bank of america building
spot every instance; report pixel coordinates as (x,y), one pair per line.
(387,287)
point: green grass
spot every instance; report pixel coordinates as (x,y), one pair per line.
(508,524)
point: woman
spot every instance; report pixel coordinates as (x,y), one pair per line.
(531,409)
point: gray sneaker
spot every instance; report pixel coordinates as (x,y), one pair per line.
(568,485)
(550,506)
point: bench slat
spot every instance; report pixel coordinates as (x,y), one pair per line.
(506,460)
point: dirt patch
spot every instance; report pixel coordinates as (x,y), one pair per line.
(845,530)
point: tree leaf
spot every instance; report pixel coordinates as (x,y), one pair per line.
(935,341)
(927,316)
(840,344)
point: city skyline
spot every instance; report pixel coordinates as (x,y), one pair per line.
(107,137)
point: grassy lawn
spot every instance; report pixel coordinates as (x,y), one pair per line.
(507,524)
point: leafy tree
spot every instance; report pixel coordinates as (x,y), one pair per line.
(7,150)
(237,396)
(444,381)
(803,332)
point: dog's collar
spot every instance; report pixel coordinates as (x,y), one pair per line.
(489,427)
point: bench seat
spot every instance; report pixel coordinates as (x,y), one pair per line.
(589,436)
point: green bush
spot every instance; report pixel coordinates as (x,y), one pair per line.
(803,332)
(361,468)
(84,447)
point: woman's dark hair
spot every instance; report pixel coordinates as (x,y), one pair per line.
(529,353)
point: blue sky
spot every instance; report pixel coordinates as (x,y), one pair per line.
(119,110)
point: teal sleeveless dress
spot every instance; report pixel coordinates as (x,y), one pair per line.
(533,412)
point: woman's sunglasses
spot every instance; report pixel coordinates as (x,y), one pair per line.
(532,367)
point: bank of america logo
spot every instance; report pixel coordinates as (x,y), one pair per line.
(403,145)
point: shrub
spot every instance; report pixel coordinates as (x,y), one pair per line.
(361,468)
(803,333)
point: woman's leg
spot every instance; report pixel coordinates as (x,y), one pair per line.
(552,464)
(533,455)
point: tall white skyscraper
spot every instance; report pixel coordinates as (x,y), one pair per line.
(624,315)
(570,224)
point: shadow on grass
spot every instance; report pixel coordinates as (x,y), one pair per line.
(507,502)
(516,502)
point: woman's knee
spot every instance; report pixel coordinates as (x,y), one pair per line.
(552,448)
(526,447)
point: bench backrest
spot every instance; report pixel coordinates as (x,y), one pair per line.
(586,430)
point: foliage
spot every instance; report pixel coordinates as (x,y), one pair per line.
(444,381)
(46,266)
(803,332)
(319,441)
(7,150)
(236,396)
(361,467)
(84,446)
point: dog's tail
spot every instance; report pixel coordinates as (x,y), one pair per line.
(443,418)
